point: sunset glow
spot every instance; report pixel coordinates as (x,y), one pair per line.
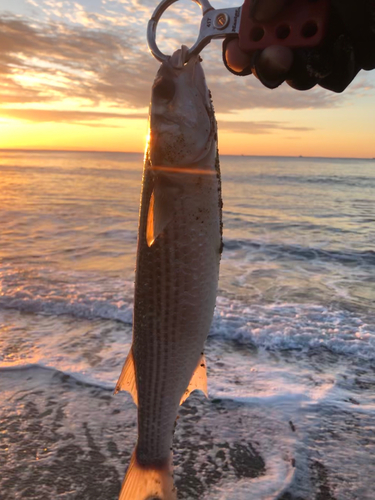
(78,77)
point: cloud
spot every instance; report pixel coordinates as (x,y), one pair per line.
(255,128)
(91,118)
(51,62)
(12,92)
(102,60)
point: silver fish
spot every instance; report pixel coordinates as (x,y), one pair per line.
(177,271)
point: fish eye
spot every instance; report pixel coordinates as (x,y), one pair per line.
(164,88)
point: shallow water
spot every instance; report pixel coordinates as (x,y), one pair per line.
(291,352)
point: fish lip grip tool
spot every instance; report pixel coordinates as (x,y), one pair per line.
(302,23)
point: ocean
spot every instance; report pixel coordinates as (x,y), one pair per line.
(291,351)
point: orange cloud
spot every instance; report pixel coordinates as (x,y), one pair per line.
(255,128)
(91,118)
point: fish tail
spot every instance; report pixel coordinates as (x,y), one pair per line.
(143,483)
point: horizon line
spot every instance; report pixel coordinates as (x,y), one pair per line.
(142,152)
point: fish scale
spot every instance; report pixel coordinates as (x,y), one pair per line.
(158,370)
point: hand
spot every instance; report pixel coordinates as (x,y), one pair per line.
(349,47)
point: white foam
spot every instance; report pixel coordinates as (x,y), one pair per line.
(270,486)
(295,326)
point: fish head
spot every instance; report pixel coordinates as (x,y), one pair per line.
(182,122)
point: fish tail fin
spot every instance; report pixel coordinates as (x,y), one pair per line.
(143,483)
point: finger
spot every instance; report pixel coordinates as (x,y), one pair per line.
(302,75)
(235,58)
(272,65)
(332,66)
(344,67)
(302,82)
(264,10)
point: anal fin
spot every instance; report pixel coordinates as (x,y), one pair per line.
(127,381)
(143,483)
(198,380)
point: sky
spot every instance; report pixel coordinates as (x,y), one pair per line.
(77,75)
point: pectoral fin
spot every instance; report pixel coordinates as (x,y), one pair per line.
(161,209)
(198,380)
(127,381)
(150,228)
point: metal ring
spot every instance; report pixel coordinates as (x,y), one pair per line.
(153,22)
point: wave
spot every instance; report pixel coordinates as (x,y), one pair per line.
(234,220)
(283,326)
(306,330)
(332,180)
(77,378)
(304,253)
(55,293)
(85,309)
(351,181)
(298,327)
(279,326)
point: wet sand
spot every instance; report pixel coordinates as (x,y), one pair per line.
(62,439)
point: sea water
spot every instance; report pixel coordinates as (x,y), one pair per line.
(291,351)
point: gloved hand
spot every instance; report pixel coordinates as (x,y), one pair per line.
(348,47)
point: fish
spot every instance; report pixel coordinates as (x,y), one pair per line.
(177,269)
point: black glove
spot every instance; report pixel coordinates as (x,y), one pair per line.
(349,46)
